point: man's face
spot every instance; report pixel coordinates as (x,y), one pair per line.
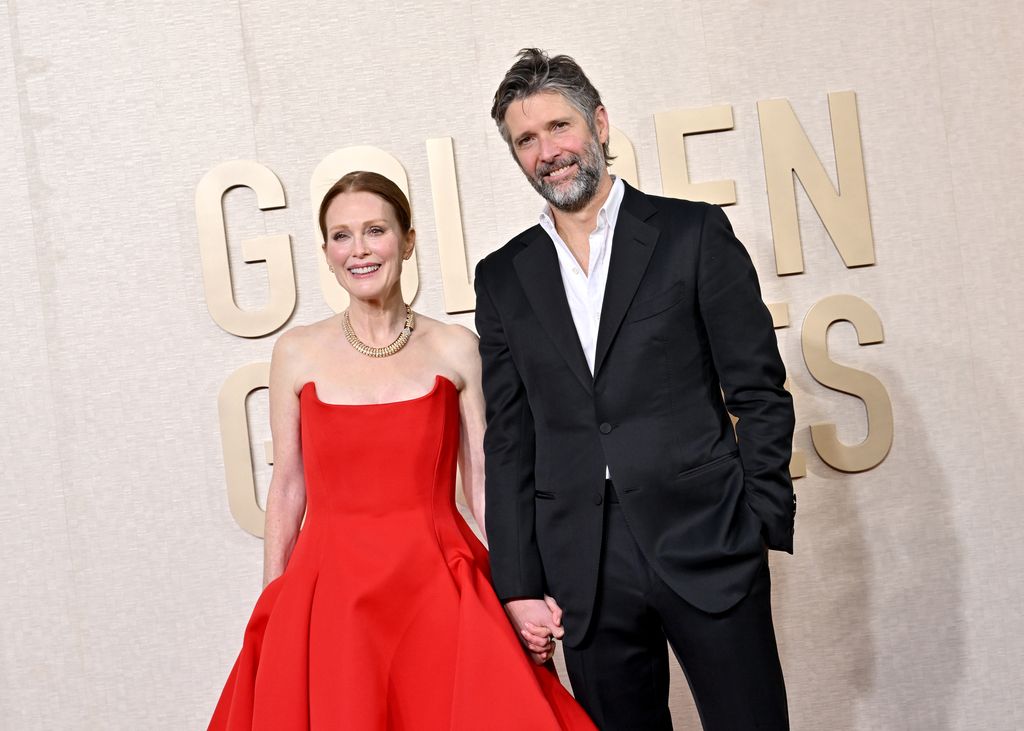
(556,150)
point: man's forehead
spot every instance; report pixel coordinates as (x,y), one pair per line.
(539,107)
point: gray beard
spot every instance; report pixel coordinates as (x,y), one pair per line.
(581,190)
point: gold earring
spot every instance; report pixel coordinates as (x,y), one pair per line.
(331,268)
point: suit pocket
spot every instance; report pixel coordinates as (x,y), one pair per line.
(541,495)
(707,466)
(657,304)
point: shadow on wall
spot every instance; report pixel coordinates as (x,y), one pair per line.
(869,612)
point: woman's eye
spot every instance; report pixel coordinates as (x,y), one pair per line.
(339,235)
(376,230)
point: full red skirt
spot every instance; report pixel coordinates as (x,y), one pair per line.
(385,619)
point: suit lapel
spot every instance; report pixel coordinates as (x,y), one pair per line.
(633,243)
(537,269)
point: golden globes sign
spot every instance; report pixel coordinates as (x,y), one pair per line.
(786,151)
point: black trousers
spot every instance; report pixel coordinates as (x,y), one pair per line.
(620,672)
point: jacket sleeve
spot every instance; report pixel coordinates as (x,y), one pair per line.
(509,451)
(751,373)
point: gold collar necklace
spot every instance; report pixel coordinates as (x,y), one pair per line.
(384,352)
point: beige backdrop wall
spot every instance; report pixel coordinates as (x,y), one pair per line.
(124,581)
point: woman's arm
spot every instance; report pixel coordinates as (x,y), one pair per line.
(466,358)
(286,501)
(535,629)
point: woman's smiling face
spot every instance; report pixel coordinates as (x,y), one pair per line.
(365,244)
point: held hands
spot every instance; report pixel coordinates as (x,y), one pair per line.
(539,624)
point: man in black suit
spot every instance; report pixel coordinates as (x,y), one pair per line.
(618,491)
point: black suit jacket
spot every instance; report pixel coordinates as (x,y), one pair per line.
(681,324)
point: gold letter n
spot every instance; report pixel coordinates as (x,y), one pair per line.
(843,211)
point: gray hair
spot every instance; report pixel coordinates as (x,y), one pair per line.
(535,72)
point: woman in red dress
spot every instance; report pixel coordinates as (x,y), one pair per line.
(378,613)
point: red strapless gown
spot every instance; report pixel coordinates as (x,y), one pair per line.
(385,618)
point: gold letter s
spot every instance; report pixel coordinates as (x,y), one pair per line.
(814,340)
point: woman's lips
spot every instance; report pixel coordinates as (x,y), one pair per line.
(363,270)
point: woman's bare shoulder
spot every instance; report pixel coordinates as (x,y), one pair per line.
(447,336)
(302,341)
(454,347)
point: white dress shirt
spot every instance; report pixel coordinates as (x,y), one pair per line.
(585,289)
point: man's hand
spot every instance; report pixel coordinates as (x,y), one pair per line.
(539,624)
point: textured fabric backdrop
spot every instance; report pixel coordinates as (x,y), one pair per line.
(124,581)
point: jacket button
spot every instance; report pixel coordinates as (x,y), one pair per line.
(605,428)
(598,498)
